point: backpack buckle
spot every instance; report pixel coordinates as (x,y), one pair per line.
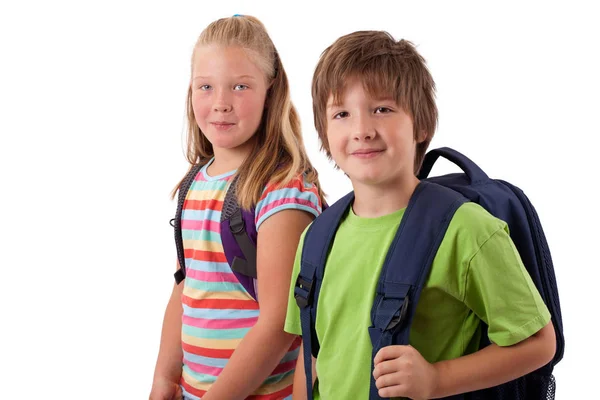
(236,222)
(303,292)
(179,275)
(397,321)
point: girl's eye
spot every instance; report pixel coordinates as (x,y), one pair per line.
(240,87)
(204,87)
(340,115)
(382,110)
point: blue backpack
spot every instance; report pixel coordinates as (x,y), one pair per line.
(414,246)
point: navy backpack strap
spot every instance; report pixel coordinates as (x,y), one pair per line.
(473,172)
(407,265)
(176,222)
(317,242)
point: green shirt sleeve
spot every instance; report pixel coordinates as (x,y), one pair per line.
(292,319)
(500,292)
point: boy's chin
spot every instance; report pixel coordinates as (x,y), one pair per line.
(375,179)
(367,179)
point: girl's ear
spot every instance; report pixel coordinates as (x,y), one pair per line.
(421,136)
(268,96)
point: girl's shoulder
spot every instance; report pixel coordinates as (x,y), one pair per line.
(298,193)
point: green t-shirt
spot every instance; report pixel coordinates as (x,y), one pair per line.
(476,275)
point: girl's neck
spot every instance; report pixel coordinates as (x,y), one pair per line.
(227,160)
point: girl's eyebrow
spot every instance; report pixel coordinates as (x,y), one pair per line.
(235,77)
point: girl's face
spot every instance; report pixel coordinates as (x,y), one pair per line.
(228,97)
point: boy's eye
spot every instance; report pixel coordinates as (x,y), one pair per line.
(342,114)
(240,87)
(382,110)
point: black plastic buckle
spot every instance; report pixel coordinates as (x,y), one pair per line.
(303,286)
(236,222)
(179,275)
(397,321)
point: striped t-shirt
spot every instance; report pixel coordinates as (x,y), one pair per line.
(217,310)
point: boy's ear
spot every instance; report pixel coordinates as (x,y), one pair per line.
(421,136)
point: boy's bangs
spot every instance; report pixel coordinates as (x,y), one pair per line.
(380,80)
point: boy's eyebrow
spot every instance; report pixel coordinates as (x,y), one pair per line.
(384,98)
(331,104)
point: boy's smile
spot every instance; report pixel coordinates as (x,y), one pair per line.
(367,152)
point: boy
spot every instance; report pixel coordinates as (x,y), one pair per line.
(374,110)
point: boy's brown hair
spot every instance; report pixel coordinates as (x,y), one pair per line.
(387,68)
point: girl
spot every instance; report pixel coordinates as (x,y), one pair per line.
(243,124)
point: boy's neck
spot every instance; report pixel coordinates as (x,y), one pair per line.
(377,201)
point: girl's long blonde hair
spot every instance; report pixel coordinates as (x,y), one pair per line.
(278,154)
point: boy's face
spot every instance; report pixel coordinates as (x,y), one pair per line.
(370,139)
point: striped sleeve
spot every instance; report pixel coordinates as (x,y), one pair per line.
(297,194)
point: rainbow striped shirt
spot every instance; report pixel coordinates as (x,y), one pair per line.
(217,310)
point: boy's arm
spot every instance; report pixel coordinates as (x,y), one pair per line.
(167,372)
(292,325)
(300,376)
(402,371)
(495,365)
(266,343)
(500,292)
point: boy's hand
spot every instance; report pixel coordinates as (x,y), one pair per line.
(164,389)
(401,371)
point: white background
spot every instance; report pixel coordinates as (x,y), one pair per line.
(92,137)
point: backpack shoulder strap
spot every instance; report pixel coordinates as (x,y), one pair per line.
(239,248)
(176,222)
(407,265)
(232,212)
(317,242)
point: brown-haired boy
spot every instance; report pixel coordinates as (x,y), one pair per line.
(374,110)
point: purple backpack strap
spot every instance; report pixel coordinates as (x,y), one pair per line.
(176,222)
(238,235)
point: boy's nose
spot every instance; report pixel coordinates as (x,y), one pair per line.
(363,129)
